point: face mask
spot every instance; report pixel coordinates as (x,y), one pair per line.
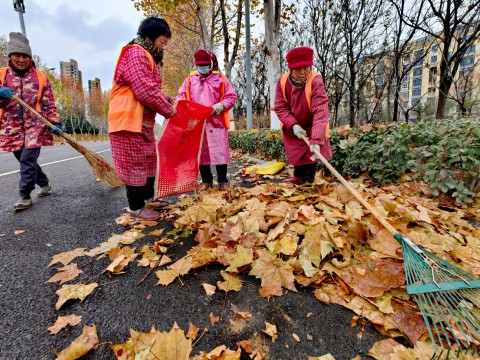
(204,70)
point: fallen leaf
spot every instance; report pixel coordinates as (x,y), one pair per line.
(214,319)
(231,283)
(296,337)
(66,274)
(192,332)
(77,291)
(18,232)
(63,322)
(271,330)
(67,256)
(209,289)
(81,345)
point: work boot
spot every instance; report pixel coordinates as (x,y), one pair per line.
(144,214)
(44,191)
(25,201)
(204,186)
(222,186)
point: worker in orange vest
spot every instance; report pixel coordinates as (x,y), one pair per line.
(20,131)
(301,104)
(135,100)
(209,87)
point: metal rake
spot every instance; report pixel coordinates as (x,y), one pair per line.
(447,296)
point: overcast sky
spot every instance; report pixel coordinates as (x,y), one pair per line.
(89,31)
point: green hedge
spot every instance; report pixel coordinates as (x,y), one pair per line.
(445,153)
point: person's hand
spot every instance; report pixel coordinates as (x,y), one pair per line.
(299,131)
(217,108)
(175,103)
(5,92)
(55,131)
(312,149)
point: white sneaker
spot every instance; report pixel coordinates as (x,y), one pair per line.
(44,191)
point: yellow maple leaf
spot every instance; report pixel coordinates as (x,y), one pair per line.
(77,291)
(243,256)
(206,208)
(81,345)
(181,267)
(67,256)
(64,321)
(231,282)
(273,271)
(209,289)
(66,273)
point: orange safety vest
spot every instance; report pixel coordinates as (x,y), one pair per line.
(125,112)
(308,92)
(42,80)
(225,116)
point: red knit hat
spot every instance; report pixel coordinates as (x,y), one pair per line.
(202,57)
(299,56)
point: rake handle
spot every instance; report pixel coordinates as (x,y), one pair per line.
(352,190)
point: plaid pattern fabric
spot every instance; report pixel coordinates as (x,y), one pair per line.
(19,128)
(134,156)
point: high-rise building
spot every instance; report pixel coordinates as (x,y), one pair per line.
(94,85)
(69,70)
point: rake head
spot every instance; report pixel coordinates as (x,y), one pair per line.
(447,296)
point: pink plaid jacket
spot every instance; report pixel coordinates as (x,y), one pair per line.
(134,154)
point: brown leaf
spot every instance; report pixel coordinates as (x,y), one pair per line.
(63,322)
(192,332)
(271,330)
(231,283)
(77,291)
(66,274)
(81,345)
(67,256)
(209,289)
(214,319)
(18,232)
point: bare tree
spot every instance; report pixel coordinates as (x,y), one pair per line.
(358,22)
(272,19)
(455,25)
(465,85)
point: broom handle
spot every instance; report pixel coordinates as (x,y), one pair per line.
(40,116)
(354,192)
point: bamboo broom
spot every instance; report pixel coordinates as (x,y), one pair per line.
(447,296)
(102,168)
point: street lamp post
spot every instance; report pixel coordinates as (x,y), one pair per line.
(19,7)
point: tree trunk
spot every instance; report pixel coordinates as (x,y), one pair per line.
(272,10)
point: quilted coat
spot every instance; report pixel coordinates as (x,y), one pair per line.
(19,127)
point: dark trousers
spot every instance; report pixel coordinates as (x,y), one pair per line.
(136,195)
(207,177)
(305,172)
(30,172)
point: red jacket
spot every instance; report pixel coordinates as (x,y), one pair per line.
(314,122)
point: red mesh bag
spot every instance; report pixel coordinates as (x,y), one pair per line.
(178,149)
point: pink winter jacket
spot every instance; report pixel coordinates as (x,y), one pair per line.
(19,127)
(206,91)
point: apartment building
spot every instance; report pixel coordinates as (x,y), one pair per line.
(421,82)
(94,85)
(69,70)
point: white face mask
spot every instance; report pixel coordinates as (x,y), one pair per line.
(203,69)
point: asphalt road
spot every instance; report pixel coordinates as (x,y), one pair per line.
(80,212)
